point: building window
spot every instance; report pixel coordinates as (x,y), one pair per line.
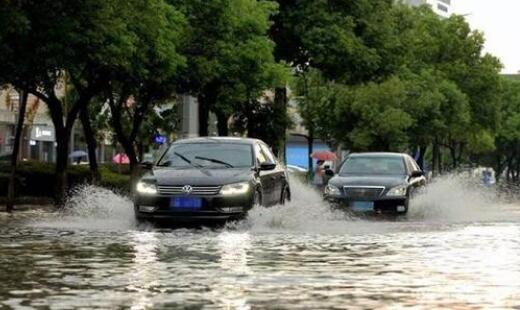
(448,2)
(443,8)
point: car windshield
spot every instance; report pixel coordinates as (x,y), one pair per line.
(208,155)
(385,165)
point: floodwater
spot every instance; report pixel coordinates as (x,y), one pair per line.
(459,247)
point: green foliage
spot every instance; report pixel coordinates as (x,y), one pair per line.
(349,41)
(406,78)
(230,57)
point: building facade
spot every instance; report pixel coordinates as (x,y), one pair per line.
(441,7)
(38,137)
(38,140)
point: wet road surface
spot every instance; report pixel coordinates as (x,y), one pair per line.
(458,248)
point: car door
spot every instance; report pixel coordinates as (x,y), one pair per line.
(277,175)
(267,177)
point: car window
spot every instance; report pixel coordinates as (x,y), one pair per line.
(208,155)
(373,165)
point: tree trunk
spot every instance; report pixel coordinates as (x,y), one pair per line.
(222,124)
(91,145)
(453,154)
(435,159)
(140,151)
(310,145)
(132,156)
(16,148)
(62,150)
(203,116)
(422,152)
(280,104)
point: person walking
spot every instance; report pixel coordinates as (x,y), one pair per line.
(318,174)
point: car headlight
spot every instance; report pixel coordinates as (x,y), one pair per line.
(397,191)
(332,190)
(235,189)
(146,188)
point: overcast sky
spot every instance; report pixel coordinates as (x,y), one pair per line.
(500,21)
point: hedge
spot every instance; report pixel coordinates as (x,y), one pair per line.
(36,179)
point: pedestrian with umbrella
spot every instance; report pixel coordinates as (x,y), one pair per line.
(321,156)
(77,156)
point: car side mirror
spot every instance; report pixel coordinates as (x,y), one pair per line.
(267,166)
(329,172)
(147,165)
(417,174)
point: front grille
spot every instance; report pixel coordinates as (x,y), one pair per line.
(363,192)
(195,190)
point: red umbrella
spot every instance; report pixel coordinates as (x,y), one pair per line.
(121,158)
(324,155)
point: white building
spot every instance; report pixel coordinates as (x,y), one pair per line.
(441,7)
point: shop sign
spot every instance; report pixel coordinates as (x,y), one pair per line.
(43,133)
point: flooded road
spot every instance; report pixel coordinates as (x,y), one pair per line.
(458,248)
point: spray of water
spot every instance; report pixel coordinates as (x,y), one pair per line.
(457,198)
(94,208)
(306,211)
(449,199)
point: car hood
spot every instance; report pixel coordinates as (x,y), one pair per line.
(173,176)
(387,181)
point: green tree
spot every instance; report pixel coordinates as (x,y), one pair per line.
(13,24)
(349,41)
(83,42)
(149,78)
(228,55)
(506,157)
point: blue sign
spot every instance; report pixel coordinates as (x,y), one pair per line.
(160,139)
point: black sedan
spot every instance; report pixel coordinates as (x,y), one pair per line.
(381,182)
(208,179)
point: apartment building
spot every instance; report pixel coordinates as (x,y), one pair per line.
(441,7)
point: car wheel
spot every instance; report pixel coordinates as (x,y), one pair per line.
(286,195)
(405,207)
(257,200)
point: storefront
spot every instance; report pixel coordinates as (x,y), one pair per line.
(6,138)
(42,143)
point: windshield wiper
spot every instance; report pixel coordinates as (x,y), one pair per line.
(164,163)
(167,163)
(213,160)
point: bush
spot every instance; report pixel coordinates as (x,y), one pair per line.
(115,181)
(36,179)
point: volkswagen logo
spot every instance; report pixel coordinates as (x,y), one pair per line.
(187,189)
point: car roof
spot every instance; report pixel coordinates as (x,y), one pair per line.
(377,154)
(219,140)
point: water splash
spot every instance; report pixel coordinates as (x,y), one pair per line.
(449,199)
(307,212)
(457,198)
(94,208)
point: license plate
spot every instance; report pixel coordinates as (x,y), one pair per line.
(362,206)
(185,203)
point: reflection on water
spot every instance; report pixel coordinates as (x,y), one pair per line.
(229,289)
(445,253)
(145,267)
